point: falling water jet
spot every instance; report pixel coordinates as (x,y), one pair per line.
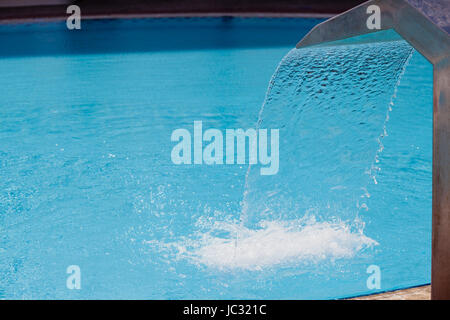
(321,114)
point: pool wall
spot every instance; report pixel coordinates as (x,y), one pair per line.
(433,42)
(39,9)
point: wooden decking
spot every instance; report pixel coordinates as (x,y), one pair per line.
(417,293)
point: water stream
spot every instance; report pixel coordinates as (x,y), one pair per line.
(331,105)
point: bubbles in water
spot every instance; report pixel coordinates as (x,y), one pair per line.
(273,243)
(278,242)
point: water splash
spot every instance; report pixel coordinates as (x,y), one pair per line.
(272,244)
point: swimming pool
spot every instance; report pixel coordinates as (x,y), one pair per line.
(87,179)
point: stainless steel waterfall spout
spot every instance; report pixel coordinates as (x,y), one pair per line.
(434,44)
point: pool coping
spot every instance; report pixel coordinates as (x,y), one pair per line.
(39,10)
(170,15)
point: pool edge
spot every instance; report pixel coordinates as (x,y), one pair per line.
(421,292)
(99,9)
(169,15)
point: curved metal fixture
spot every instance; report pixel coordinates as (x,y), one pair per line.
(434,44)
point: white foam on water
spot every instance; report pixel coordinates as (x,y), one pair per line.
(274,243)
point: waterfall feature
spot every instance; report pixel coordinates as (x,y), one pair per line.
(331,105)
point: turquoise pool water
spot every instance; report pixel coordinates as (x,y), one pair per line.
(87,178)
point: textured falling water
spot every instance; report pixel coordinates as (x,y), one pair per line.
(331,105)
(374,167)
